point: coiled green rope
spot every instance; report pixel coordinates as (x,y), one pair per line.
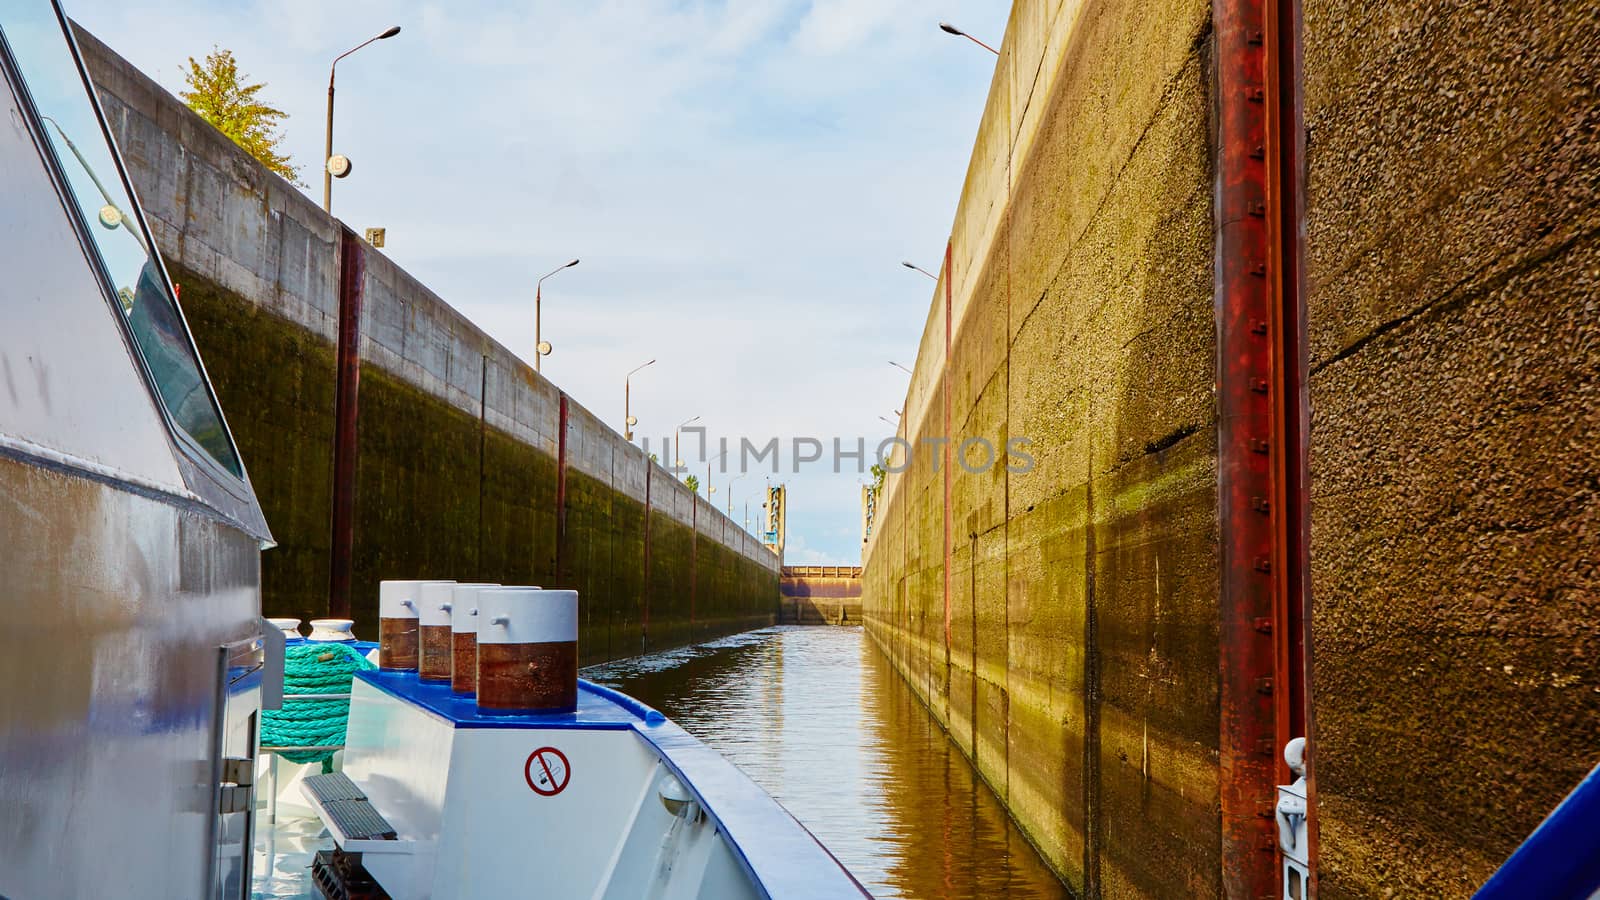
(313,668)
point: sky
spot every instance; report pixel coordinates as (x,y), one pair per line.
(740,179)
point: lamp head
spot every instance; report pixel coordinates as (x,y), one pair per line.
(393,30)
(570,264)
(947,28)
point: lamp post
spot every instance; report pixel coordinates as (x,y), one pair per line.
(916,268)
(947,28)
(730,491)
(540,348)
(327,153)
(628,421)
(901,368)
(709,489)
(677,439)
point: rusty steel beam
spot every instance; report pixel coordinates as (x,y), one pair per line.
(1262,426)
(694,555)
(561,494)
(352,286)
(644,583)
(1294,407)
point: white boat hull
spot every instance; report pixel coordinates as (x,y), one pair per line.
(571,804)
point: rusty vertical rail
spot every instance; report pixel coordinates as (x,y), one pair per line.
(694,558)
(944,451)
(644,585)
(1262,426)
(352,286)
(483,447)
(1293,409)
(561,494)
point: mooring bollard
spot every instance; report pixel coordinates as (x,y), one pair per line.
(397,625)
(527,650)
(433,618)
(464,637)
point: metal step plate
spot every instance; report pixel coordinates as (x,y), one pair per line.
(358,821)
(347,808)
(334,786)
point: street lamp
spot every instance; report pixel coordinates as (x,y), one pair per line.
(730,491)
(327,153)
(540,348)
(709,489)
(947,28)
(628,421)
(901,368)
(911,265)
(677,439)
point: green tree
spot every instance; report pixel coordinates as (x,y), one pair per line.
(693,483)
(219,93)
(878,474)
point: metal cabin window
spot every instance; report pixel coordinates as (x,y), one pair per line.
(36,37)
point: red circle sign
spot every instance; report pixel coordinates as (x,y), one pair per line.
(547,771)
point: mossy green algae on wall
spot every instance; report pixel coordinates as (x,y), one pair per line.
(457,460)
(1079,671)
(440,493)
(275,381)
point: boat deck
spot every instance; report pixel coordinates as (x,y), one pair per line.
(284,851)
(777,851)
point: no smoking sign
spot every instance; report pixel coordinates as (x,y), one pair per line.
(547,771)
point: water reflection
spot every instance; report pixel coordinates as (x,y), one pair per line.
(817,717)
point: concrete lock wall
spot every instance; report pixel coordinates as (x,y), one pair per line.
(1453,260)
(1063,623)
(1076,662)
(459,442)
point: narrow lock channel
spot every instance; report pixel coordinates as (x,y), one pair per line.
(817,717)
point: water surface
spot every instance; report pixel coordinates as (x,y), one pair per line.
(818,718)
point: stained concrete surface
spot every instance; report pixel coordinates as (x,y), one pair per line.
(1080,668)
(1452,222)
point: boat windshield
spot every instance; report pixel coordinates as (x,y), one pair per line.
(36,40)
